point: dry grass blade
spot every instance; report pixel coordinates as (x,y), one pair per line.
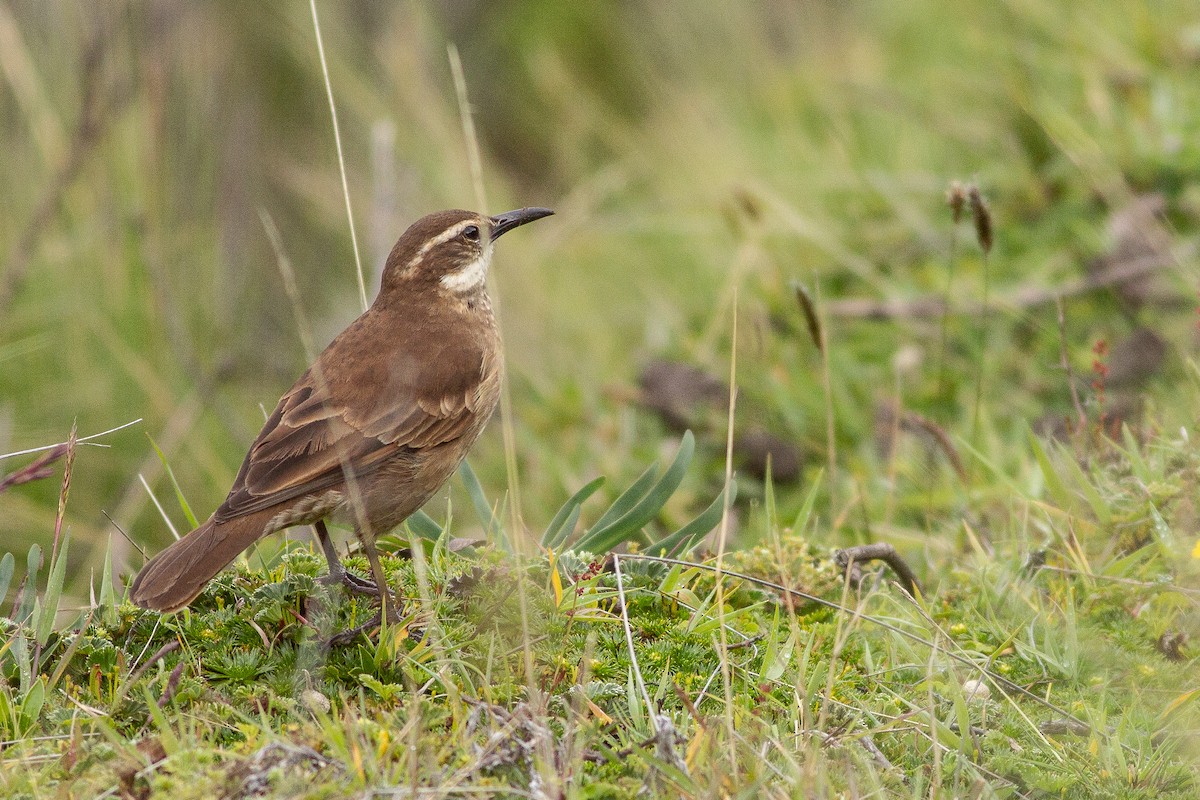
(337,140)
(982,217)
(1020,299)
(633,660)
(80,440)
(723,536)
(36,470)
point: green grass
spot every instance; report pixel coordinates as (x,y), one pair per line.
(518,676)
(694,153)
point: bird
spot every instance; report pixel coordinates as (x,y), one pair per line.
(376,425)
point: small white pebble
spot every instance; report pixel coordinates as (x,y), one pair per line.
(976,691)
(907,359)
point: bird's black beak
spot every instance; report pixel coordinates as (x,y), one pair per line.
(502,223)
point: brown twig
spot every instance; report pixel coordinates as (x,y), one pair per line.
(932,307)
(850,558)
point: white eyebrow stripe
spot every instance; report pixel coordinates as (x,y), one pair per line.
(441,238)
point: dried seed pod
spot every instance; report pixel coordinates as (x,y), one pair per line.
(982,216)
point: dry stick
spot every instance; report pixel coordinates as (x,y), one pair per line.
(133,499)
(1066,362)
(1018,300)
(1126,581)
(999,681)
(166,649)
(723,536)
(337,140)
(849,559)
(128,539)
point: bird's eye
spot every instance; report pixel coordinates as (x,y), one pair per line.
(471,232)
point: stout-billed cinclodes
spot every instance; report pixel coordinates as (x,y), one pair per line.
(376,425)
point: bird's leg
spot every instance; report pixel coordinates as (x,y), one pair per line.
(337,572)
(388,607)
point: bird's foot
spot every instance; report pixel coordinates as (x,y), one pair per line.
(352,582)
(348,636)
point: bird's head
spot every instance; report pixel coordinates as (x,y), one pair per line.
(450,250)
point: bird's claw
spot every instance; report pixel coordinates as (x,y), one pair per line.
(346,637)
(352,582)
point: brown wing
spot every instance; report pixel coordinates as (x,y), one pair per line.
(366,398)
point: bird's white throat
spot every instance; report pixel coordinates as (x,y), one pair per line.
(470,277)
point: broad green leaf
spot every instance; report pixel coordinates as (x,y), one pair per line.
(568,527)
(487,515)
(637,713)
(628,498)
(64,660)
(564,521)
(801,522)
(108,590)
(687,537)
(1162,532)
(774,667)
(8,565)
(601,539)
(166,732)
(33,564)
(54,587)
(31,706)
(424,526)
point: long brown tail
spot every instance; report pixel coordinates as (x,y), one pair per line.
(174,577)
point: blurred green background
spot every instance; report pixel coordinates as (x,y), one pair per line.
(691,150)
